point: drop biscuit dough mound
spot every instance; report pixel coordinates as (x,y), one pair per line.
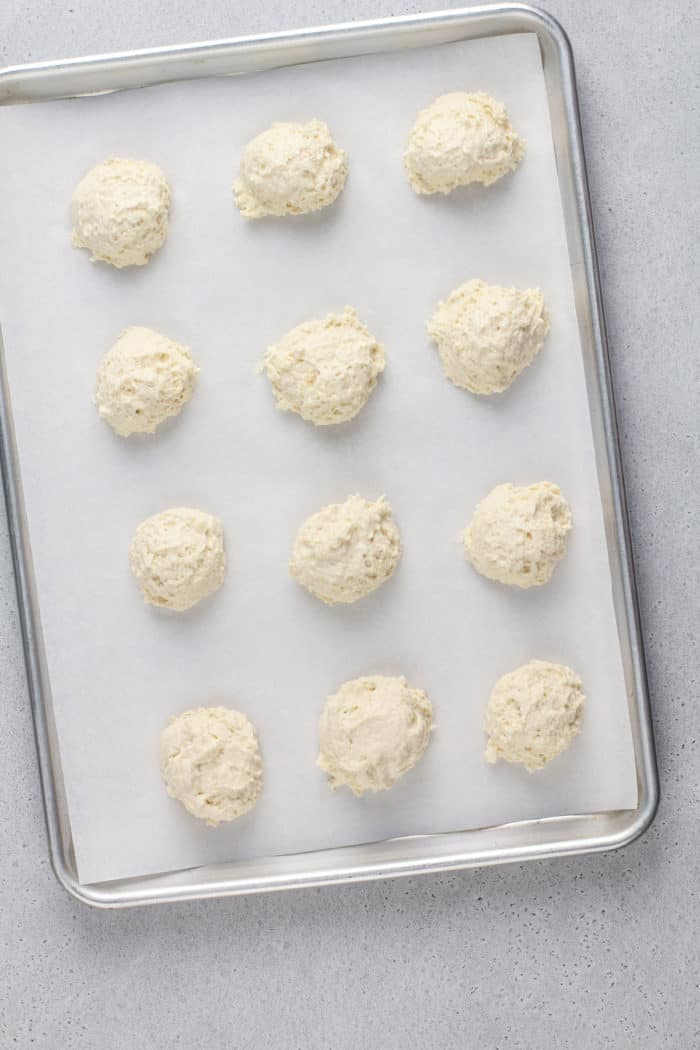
(533,714)
(346,550)
(518,533)
(178,558)
(458,139)
(142,380)
(325,370)
(290,169)
(210,762)
(486,334)
(372,731)
(120,211)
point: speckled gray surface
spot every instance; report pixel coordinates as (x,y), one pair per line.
(590,952)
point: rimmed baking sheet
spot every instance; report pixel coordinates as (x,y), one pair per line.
(228,288)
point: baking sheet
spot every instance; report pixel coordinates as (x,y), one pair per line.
(228,288)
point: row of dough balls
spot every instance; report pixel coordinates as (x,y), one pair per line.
(121,207)
(345,551)
(371,732)
(325,369)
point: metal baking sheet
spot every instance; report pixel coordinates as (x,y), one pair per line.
(422,852)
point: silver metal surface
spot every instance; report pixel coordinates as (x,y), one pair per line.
(419,854)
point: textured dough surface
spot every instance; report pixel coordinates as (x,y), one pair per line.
(210,761)
(326,369)
(120,211)
(142,380)
(486,334)
(178,558)
(518,533)
(458,139)
(289,169)
(533,714)
(372,731)
(346,550)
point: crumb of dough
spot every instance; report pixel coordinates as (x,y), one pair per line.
(178,557)
(518,533)
(486,334)
(458,139)
(142,380)
(533,714)
(326,369)
(120,211)
(210,762)
(372,731)
(290,169)
(346,550)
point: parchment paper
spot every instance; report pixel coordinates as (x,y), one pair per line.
(227,288)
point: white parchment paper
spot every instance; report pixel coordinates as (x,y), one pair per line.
(228,288)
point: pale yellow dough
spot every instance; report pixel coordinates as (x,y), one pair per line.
(210,762)
(290,169)
(518,533)
(533,714)
(326,369)
(178,557)
(486,334)
(372,731)
(120,211)
(346,550)
(142,380)
(458,139)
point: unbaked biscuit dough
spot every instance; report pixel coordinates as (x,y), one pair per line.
(372,731)
(178,558)
(486,334)
(210,762)
(346,550)
(144,378)
(290,169)
(120,211)
(533,714)
(518,533)
(458,139)
(326,369)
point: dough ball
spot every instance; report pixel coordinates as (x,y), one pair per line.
(533,714)
(178,558)
(372,731)
(210,761)
(518,533)
(461,138)
(120,211)
(144,378)
(346,550)
(326,369)
(290,169)
(486,335)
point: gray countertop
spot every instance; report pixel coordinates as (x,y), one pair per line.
(585,952)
